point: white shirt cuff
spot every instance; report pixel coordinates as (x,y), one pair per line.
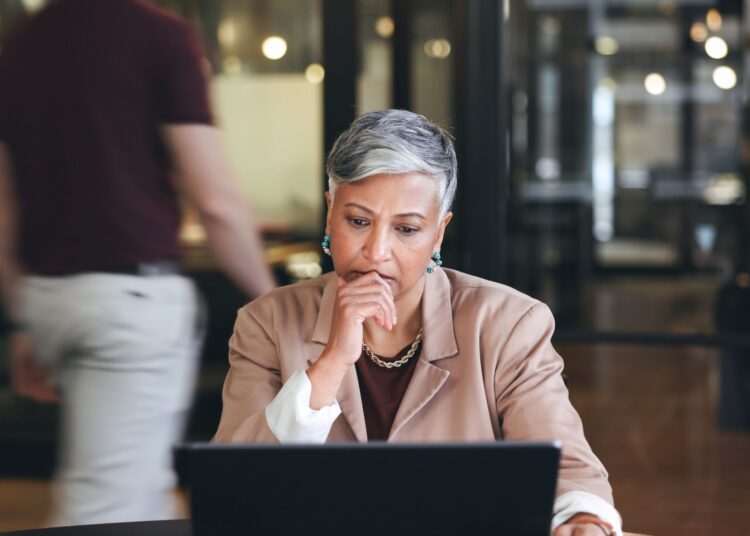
(576,502)
(290,417)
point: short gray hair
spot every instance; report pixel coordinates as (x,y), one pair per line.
(393,142)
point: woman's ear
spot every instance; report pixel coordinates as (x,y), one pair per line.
(441,231)
(329,204)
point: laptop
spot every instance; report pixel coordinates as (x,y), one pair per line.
(375,488)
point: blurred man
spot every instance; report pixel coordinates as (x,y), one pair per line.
(104,117)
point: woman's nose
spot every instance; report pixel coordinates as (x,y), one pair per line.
(377,248)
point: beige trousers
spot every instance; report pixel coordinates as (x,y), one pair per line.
(124,351)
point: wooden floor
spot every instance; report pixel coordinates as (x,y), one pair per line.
(649,413)
(651,419)
(24,504)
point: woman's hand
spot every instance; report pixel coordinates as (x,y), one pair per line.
(367,296)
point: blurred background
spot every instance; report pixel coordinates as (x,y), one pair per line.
(603,149)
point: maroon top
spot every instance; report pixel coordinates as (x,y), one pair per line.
(382,390)
(84,87)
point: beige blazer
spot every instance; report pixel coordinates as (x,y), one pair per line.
(487,371)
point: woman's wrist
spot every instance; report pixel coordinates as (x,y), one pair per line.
(332,363)
(326,376)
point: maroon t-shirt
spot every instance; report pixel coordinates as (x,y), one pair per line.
(382,390)
(84,88)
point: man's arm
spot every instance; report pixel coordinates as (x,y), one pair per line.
(202,172)
(27,378)
(8,262)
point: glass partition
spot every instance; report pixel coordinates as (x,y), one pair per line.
(625,144)
(375,77)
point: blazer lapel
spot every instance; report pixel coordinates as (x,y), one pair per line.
(349,396)
(439,342)
(424,384)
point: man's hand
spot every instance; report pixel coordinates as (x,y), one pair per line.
(27,377)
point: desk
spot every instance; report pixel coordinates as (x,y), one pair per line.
(176,527)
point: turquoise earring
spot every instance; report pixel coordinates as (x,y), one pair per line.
(438,262)
(326,244)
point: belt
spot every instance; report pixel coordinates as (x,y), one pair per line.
(144,269)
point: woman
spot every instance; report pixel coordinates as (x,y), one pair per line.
(407,351)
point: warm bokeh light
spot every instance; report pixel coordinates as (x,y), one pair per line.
(655,84)
(698,32)
(274,47)
(437,48)
(725,77)
(713,20)
(724,189)
(315,73)
(32,6)
(716,47)
(606,46)
(384,27)
(227,34)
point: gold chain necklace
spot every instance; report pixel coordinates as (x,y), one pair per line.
(399,362)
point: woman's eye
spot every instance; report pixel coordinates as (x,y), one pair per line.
(407,230)
(358,222)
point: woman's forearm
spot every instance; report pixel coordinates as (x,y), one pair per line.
(326,375)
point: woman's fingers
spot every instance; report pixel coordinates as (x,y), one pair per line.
(367,296)
(360,306)
(364,293)
(371,282)
(370,278)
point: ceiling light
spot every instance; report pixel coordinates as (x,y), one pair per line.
(698,32)
(655,84)
(384,27)
(227,34)
(274,47)
(606,46)
(713,20)
(716,47)
(437,48)
(725,77)
(315,73)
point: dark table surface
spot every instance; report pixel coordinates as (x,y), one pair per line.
(175,527)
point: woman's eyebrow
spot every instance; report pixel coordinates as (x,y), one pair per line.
(411,214)
(370,211)
(355,205)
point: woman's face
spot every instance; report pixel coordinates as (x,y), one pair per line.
(386,224)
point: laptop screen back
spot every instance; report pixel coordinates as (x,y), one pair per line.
(374,488)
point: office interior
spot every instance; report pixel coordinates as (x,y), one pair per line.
(603,153)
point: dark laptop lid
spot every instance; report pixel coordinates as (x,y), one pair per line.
(375,488)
